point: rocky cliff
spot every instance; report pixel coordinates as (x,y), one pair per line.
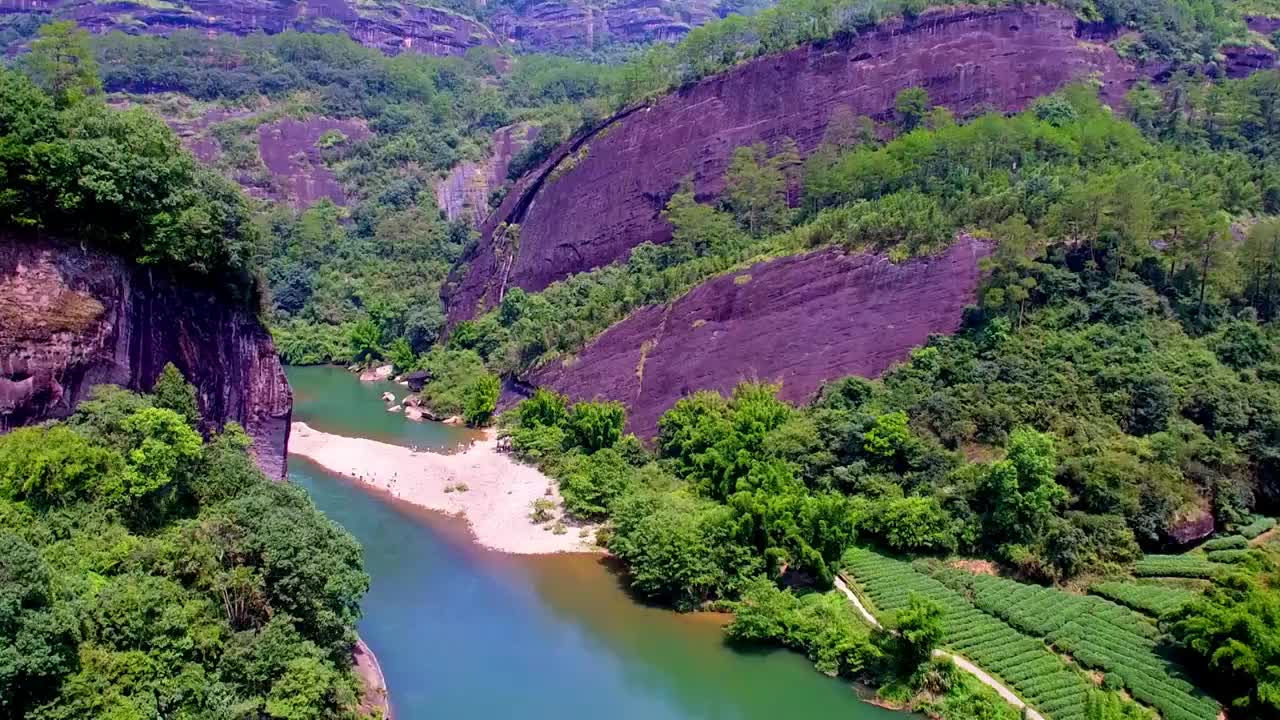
(390,26)
(800,321)
(602,193)
(72,318)
(562,24)
(464,193)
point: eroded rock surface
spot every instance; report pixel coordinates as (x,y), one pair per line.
(556,24)
(392,27)
(464,193)
(799,321)
(290,150)
(607,195)
(71,319)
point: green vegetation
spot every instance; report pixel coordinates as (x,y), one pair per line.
(1096,633)
(1229,542)
(1181,566)
(72,167)
(1233,630)
(1021,662)
(1154,600)
(1257,527)
(147,573)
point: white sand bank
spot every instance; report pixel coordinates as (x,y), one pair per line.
(496,504)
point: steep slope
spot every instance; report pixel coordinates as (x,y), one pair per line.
(72,318)
(602,194)
(561,24)
(799,321)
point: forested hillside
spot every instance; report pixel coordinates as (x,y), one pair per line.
(1108,401)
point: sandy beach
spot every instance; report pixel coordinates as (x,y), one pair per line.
(496,503)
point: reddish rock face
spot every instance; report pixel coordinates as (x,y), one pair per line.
(464,193)
(71,319)
(390,27)
(800,321)
(1192,525)
(288,149)
(550,25)
(608,198)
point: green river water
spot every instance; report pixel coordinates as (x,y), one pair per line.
(467,634)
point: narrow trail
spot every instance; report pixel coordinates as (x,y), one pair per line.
(960,662)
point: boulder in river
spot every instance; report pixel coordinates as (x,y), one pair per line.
(413,413)
(454,420)
(394,408)
(388,397)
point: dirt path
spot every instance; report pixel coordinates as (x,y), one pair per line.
(960,662)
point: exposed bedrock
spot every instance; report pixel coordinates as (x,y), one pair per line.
(800,321)
(555,24)
(464,193)
(391,27)
(290,150)
(72,318)
(602,194)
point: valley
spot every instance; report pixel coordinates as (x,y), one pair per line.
(653,359)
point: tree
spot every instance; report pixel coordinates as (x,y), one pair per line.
(480,399)
(1020,491)
(401,355)
(596,425)
(54,466)
(62,62)
(756,190)
(919,627)
(171,391)
(37,638)
(546,407)
(365,339)
(1233,630)
(911,106)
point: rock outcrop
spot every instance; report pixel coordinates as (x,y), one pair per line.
(392,27)
(602,193)
(72,318)
(558,24)
(291,151)
(800,321)
(464,193)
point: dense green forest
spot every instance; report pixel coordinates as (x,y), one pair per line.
(71,166)
(146,572)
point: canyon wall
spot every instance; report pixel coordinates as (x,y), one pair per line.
(800,321)
(392,27)
(72,318)
(603,193)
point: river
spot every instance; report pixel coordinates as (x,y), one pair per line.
(467,634)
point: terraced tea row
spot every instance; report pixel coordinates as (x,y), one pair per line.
(1183,566)
(1021,662)
(1096,632)
(1154,600)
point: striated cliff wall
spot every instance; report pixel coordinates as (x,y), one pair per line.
(565,24)
(464,193)
(800,321)
(602,194)
(392,27)
(72,318)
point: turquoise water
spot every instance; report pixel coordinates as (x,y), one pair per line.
(467,634)
(334,400)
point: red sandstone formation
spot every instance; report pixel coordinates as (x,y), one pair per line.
(71,319)
(590,209)
(390,27)
(464,193)
(800,321)
(565,24)
(289,150)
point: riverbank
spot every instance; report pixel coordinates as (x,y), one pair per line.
(373,685)
(493,492)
